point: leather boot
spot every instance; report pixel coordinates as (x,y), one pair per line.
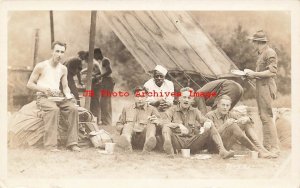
(125,142)
(222,151)
(150,141)
(168,144)
(262,151)
(150,144)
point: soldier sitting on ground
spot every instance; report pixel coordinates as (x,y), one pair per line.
(232,128)
(181,130)
(137,124)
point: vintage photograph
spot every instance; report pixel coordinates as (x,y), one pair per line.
(149,94)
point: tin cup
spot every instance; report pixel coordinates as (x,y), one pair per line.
(254,154)
(110,147)
(185,153)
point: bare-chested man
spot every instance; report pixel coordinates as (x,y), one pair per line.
(45,80)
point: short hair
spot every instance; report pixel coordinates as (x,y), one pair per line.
(58,43)
(81,53)
(97,51)
(226,97)
(186,89)
(139,88)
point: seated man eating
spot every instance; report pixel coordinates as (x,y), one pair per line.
(137,124)
(232,128)
(181,130)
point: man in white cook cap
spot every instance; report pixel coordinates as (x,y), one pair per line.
(160,90)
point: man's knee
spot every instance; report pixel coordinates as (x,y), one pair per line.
(72,108)
(52,109)
(127,129)
(236,130)
(151,128)
(166,129)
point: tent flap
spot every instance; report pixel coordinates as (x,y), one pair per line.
(172,39)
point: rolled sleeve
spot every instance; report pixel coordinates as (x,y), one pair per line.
(272,65)
(122,120)
(271,60)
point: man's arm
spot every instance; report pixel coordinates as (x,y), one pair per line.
(122,120)
(271,68)
(106,64)
(264,74)
(64,83)
(79,78)
(32,82)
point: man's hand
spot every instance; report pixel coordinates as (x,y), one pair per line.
(207,125)
(230,121)
(163,105)
(243,120)
(46,91)
(250,73)
(153,119)
(51,92)
(183,129)
(73,100)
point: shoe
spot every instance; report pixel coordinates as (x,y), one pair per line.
(168,147)
(222,151)
(124,143)
(54,150)
(226,154)
(144,152)
(275,151)
(75,148)
(267,155)
(149,144)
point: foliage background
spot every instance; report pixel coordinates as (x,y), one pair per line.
(229,29)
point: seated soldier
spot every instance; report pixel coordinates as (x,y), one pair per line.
(160,89)
(181,132)
(136,124)
(232,128)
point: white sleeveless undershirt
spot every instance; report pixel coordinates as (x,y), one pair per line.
(50,76)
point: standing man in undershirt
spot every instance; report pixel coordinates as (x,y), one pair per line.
(45,80)
(106,86)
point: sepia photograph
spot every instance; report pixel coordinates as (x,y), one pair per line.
(148,94)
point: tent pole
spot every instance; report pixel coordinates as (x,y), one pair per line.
(90,58)
(36,47)
(51,27)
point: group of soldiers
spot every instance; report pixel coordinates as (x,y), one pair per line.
(151,122)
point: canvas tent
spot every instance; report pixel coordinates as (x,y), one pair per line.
(172,39)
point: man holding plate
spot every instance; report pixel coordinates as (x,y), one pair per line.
(45,79)
(265,73)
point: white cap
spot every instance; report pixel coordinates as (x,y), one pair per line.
(161,69)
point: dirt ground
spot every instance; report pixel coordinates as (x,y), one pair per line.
(90,163)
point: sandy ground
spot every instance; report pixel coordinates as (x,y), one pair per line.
(90,163)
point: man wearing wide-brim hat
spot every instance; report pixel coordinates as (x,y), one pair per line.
(265,73)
